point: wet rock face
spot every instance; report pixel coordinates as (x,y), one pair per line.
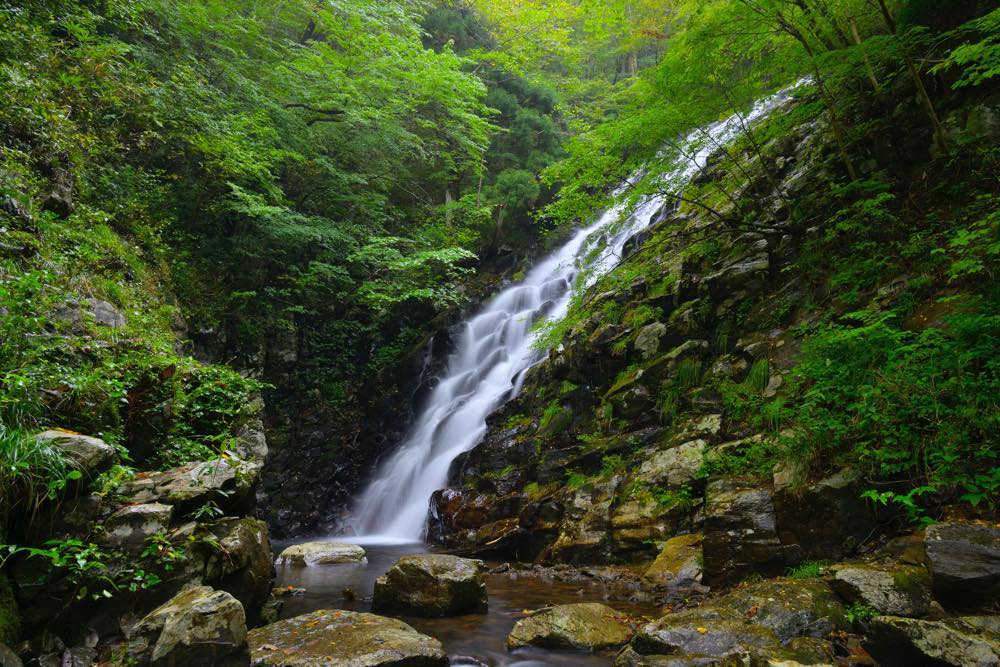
(897,591)
(345,639)
(242,566)
(678,566)
(585,626)
(740,532)
(321,553)
(964,560)
(432,585)
(902,642)
(199,627)
(825,520)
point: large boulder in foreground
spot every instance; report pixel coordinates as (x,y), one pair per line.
(432,585)
(327,638)
(198,627)
(703,634)
(964,560)
(901,642)
(585,626)
(321,553)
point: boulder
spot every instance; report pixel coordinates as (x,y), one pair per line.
(640,522)
(740,532)
(8,658)
(964,561)
(743,274)
(59,199)
(228,483)
(703,633)
(321,553)
(131,526)
(674,467)
(327,638)
(199,627)
(897,591)
(629,657)
(900,642)
(585,527)
(91,455)
(243,565)
(584,626)
(824,520)
(790,608)
(647,342)
(432,585)
(679,564)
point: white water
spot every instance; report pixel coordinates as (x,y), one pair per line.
(494,351)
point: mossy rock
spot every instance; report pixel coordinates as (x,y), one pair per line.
(10,618)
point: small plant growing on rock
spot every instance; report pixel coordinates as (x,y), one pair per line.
(859,612)
(807,570)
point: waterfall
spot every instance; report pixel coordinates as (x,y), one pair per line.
(494,351)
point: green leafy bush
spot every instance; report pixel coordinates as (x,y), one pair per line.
(32,472)
(916,406)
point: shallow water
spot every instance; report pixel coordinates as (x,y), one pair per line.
(479,636)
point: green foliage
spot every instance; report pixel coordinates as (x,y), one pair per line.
(808,570)
(979,61)
(916,405)
(859,612)
(92,572)
(574,480)
(10,620)
(32,472)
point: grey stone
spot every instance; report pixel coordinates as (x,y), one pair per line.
(898,591)
(648,340)
(321,553)
(432,585)
(91,455)
(131,526)
(328,638)
(584,626)
(740,532)
(199,627)
(964,561)
(674,467)
(899,642)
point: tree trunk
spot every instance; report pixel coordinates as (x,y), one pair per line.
(925,99)
(868,62)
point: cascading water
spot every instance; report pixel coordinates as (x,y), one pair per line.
(494,351)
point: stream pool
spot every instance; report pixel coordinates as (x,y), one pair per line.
(481,637)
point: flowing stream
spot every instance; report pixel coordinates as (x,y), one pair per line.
(494,351)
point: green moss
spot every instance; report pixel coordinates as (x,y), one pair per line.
(10,619)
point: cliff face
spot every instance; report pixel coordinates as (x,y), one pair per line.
(694,390)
